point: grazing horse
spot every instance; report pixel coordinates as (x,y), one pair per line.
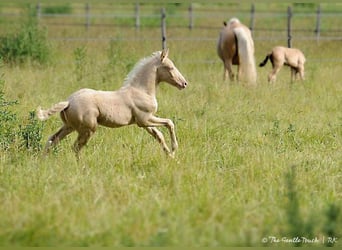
(280,56)
(236,47)
(134,103)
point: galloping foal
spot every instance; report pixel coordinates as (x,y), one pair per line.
(134,103)
(291,57)
(235,46)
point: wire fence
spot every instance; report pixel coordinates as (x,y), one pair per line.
(311,22)
(103,22)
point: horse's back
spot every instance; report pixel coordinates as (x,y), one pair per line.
(294,56)
(226,47)
(109,108)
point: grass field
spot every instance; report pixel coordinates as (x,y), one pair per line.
(252,163)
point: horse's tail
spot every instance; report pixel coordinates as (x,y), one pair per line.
(246,55)
(45,114)
(263,63)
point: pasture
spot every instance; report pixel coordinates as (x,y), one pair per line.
(252,163)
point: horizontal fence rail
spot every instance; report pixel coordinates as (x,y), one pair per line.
(185,16)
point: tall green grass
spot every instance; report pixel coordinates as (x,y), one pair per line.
(232,183)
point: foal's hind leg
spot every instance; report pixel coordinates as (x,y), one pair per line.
(57,137)
(160,138)
(82,139)
(273,75)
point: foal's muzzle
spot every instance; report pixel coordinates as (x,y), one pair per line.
(183,85)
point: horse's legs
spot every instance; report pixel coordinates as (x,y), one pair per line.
(293,74)
(154,121)
(160,138)
(273,75)
(225,72)
(82,139)
(301,71)
(228,68)
(57,137)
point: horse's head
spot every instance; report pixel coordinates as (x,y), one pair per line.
(167,72)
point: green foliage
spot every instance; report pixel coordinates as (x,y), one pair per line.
(8,119)
(331,225)
(298,227)
(29,44)
(80,55)
(117,61)
(31,133)
(58,9)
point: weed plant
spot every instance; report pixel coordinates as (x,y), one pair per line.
(8,118)
(58,9)
(29,44)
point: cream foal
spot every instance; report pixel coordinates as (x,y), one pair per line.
(279,56)
(134,103)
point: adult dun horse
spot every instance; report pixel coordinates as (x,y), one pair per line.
(236,47)
(279,56)
(134,103)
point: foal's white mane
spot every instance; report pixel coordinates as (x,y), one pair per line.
(140,65)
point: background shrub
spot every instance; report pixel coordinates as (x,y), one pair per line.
(8,118)
(58,9)
(29,44)
(31,133)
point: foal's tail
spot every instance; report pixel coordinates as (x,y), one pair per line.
(246,55)
(45,114)
(263,63)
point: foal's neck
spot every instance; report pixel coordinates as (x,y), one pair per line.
(145,78)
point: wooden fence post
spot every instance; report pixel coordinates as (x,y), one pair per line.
(191,17)
(137,15)
(39,11)
(318,23)
(87,16)
(289,37)
(163,28)
(251,24)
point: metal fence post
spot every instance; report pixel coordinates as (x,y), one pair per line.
(137,15)
(87,15)
(251,24)
(318,23)
(163,28)
(289,37)
(38,9)
(191,17)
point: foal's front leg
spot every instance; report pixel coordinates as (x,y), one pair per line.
(159,136)
(293,74)
(154,121)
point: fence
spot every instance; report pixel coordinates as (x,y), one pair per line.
(192,17)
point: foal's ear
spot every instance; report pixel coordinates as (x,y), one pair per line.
(164,54)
